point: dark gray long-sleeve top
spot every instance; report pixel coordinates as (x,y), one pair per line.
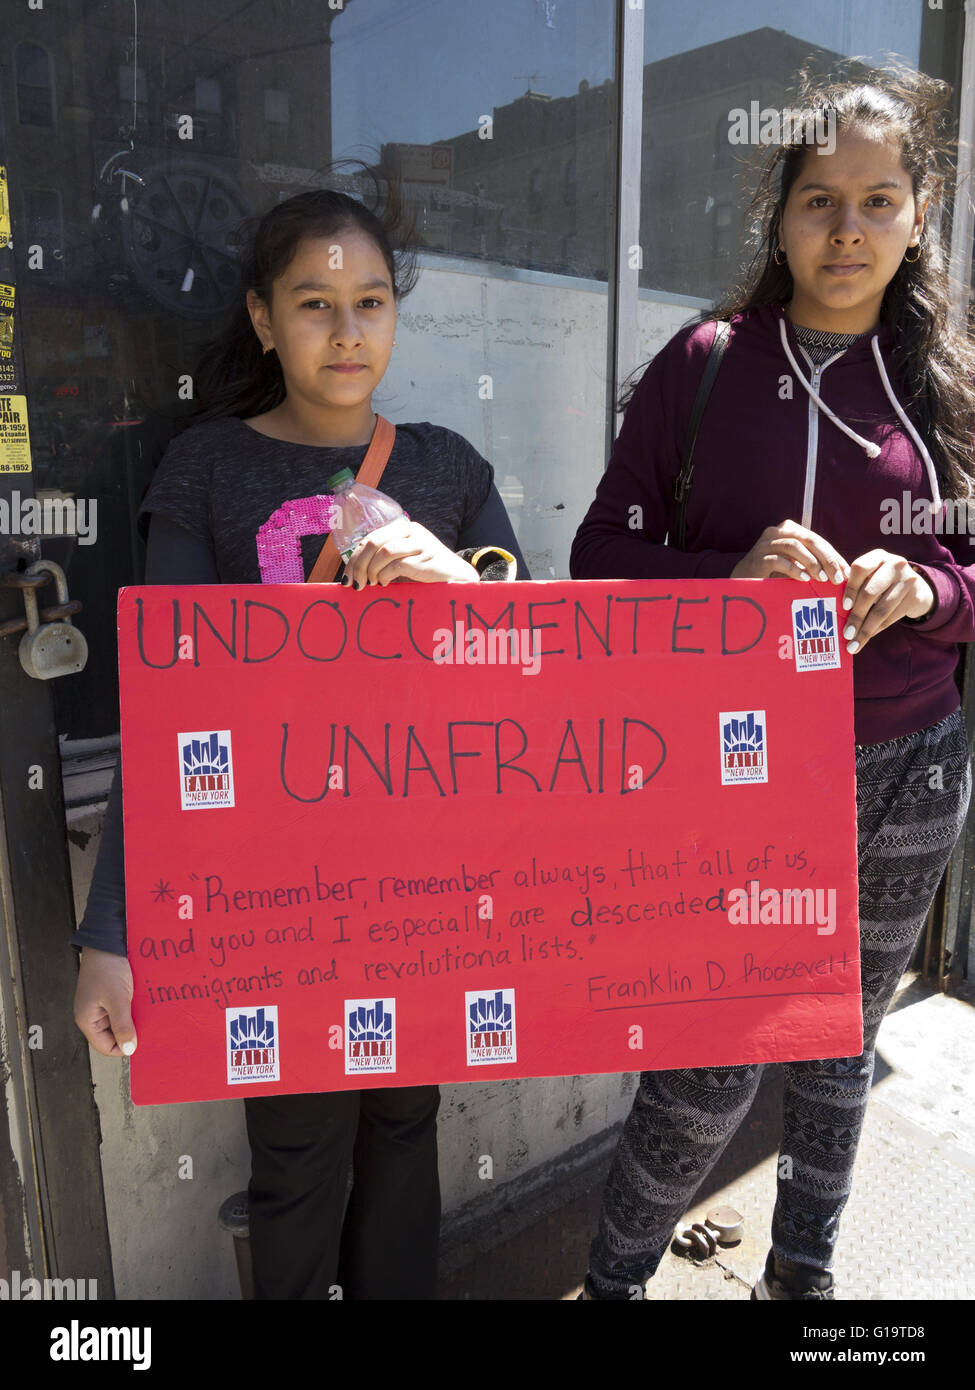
(215,473)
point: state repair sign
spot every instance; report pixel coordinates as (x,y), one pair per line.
(14,435)
(433,833)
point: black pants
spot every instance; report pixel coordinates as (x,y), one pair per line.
(304,1240)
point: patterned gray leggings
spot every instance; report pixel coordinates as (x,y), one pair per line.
(681,1120)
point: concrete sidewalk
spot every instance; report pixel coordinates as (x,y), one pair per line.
(905,1236)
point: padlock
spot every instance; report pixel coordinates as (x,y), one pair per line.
(50,649)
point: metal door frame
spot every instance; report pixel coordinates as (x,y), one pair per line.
(53,1223)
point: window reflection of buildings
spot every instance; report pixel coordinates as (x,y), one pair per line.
(34,85)
(129,103)
(92,114)
(541,192)
(87,117)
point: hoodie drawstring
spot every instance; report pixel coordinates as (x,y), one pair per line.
(928,463)
(870,449)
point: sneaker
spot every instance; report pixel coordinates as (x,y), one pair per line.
(803,1282)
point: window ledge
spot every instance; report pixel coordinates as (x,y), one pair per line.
(87,768)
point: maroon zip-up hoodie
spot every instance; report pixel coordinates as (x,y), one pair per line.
(767,452)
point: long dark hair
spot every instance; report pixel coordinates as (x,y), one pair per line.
(234,376)
(934,362)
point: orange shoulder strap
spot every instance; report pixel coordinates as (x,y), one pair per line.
(370,471)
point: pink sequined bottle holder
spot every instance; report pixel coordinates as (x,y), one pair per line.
(279,539)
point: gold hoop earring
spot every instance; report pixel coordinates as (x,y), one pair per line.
(775,256)
(912,259)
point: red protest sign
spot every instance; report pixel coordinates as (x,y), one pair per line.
(403,836)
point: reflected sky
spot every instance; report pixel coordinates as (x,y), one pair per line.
(424,70)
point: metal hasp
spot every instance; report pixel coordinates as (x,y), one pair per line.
(52,648)
(721,1226)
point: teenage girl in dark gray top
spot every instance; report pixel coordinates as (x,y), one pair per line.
(289,393)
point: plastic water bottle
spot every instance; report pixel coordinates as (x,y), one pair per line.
(360,510)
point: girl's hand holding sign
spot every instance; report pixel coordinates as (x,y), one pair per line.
(794,552)
(881,589)
(103,1002)
(403,549)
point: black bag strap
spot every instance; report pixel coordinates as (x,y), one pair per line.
(682,487)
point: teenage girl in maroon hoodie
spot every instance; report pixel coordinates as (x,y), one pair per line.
(842,388)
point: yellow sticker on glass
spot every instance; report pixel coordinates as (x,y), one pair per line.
(14,436)
(4,208)
(7,380)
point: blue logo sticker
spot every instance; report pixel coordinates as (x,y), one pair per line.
(252,1044)
(814,632)
(370,1035)
(206,770)
(743,747)
(490,1027)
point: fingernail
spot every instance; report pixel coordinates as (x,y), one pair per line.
(128,1048)
(804,575)
(838,577)
(852,647)
(822,575)
(345,579)
(355,583)
(849,630)
(848,604)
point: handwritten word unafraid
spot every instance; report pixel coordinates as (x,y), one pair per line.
(496,754)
